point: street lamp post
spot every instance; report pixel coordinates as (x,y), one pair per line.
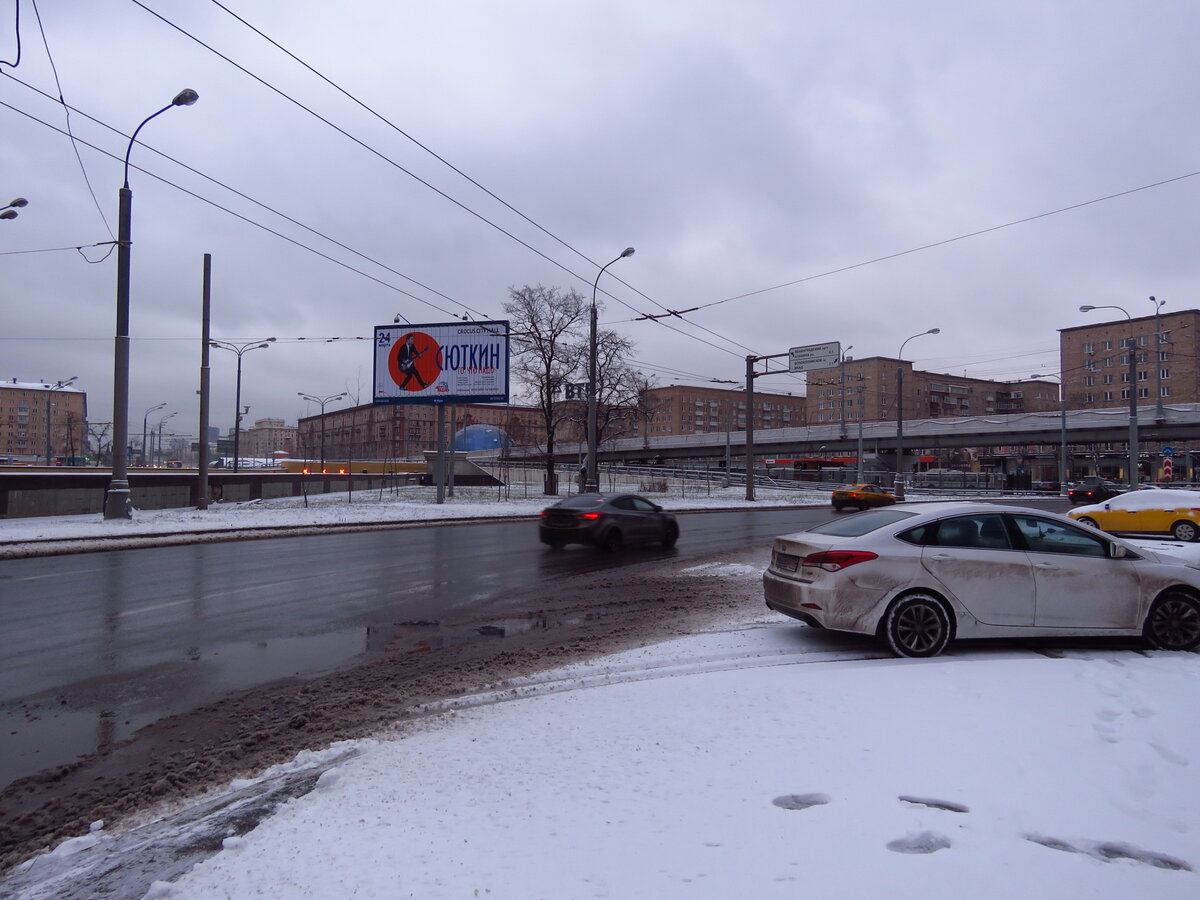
(898,486)
(10,211)
(117,500)
(240,350)
(49,396)
(159,452)
(1133,421)
(322,401)
(842,383)
(145,420)
(1062,431)
(1159,415)
(593,479)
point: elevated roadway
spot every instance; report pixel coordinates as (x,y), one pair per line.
(1180,423)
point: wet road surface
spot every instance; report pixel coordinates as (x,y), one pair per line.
(99,645)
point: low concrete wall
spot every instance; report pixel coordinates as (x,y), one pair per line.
(65,492)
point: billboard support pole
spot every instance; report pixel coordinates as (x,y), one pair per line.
(441,453)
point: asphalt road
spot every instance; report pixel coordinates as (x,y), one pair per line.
(98,645)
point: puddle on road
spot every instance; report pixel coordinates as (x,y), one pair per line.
(49,730)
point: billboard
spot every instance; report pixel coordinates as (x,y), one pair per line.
(458,362)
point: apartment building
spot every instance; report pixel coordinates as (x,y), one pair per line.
(869,386)
(1096,361)
(405,431)
(266,438)
(37,419)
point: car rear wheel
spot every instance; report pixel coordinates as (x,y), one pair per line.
(1084,520)
(1174,622)
(671,535)
(917,626)
(612,540)
(1184,530)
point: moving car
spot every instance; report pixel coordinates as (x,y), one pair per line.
(607,521)
(1093,490)
(864,496)
(920,576)
(1166,511)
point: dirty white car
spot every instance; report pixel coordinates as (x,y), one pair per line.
(919,576)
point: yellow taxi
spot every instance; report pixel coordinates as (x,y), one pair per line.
(864,496)
(1169,511)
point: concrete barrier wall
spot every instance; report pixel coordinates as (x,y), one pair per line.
(64,492)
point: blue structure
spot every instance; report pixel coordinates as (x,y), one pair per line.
(481,437)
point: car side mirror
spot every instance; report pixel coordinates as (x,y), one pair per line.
(1117,551)
(1107,507)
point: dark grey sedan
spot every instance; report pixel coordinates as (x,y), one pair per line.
(607,521)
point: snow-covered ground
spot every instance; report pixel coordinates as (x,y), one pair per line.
(759,759)
(762,760)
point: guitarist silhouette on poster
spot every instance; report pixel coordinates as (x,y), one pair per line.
(413,361)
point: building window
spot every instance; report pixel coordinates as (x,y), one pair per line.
(1124,378)
(1143,393)
(1108,395)
(1164,373)
(1164,391)
(1089,380)
(1143,376)
(1089,398)
(1107,345)
(1163,355)
(1090,365)
(1089,347)
(1108,379)
(1108,362)
(1124,393)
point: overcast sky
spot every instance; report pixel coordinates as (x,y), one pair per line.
(743,148)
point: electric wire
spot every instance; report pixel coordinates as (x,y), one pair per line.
(952,240)
(239,216)
(422,181)
(67,114)
(17,30)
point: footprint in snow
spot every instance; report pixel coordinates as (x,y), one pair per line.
(922,842)
(947,805)
(801,801)
(1110,851)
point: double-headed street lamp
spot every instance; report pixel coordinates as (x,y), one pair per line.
(49,396)
(10,211)
(145,421)
(321,401)
(1133,422)
(592,478)
(240,349)
(1159,415)
(117,500)
(898,486)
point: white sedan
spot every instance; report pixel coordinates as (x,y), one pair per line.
(919,576)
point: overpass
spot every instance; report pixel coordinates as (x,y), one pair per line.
(1180,424)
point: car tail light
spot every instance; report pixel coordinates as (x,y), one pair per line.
(836,560)
(592,515)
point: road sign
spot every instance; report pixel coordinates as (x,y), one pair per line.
(814,356)
(1168,452)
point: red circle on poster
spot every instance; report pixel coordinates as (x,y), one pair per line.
(413,361)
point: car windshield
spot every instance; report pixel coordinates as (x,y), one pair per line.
(862,523)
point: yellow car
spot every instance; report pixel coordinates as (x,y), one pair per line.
(1173,512)
(863,496)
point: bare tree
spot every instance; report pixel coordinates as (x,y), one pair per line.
(549,348)
(618,393)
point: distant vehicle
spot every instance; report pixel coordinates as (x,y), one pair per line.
(1162,511)
(919,577)
(607,521)
(1093,490)
(864,496)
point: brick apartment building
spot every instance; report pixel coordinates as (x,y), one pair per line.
(869,385)
(31,412)
(405,431)
(1095,361)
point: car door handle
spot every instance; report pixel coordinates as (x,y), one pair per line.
(942,556)
(1044,566)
